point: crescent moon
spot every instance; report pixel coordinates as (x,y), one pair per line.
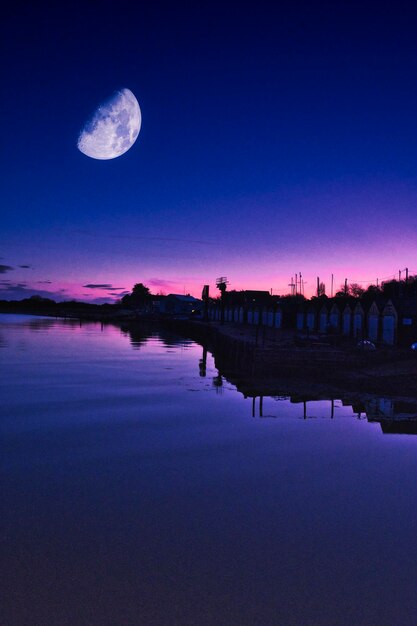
(113,128)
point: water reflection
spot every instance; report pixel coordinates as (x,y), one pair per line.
(202,364)
(139,335)
(126,495)
(395,415)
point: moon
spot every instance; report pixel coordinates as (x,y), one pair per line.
(113,128)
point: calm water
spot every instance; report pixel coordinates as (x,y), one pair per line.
(136,491)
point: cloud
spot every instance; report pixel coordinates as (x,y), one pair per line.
(106,286)
(44,282)
(157,282)
(5,268)
(166,285)
(19,291)
(25,266)
(104,300)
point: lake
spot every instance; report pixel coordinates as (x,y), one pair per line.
(138,488)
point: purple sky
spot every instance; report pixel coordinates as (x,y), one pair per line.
(274,141)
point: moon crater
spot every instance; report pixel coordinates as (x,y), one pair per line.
(113,128)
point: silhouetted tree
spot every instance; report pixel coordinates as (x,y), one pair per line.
(356,290)
(353,289)
(139,297)
(372,291)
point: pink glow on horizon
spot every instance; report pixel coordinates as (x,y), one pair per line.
(359,271)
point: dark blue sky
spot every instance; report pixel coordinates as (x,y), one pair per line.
(274,140)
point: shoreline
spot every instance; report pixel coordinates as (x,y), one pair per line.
(268,361)
(268,364)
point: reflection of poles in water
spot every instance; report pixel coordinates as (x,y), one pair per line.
(331,409)
(202,364)
(218,383)
(261,400)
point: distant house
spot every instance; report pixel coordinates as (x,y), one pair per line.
(347,320)
(358,321)
(300,316)
(399,321)
(390,322)
(155,305)
(278,317)
(335,316)
(311,317)
(175,304)
(373,322)
(256,297)
(323,318)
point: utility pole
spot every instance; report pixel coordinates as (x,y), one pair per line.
(318,286)
(399,275)
(406,275)
(345,286)
(205,299)
(221,284)
(331,290)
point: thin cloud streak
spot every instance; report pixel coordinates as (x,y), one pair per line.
(106,286)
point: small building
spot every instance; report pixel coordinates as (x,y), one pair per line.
(335,317)
(399,318)
(323,318)
(268,316)
(358,321)
(311,317)
(373,322)
(347,320)
(390,323)
(175,304)
(300,318)
(278,317)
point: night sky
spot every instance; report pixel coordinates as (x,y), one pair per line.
(274,140)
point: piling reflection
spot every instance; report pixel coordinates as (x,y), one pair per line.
(202,364)
(233,367)
(395,415)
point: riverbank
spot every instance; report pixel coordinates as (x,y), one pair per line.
(272,361)
(269,361)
